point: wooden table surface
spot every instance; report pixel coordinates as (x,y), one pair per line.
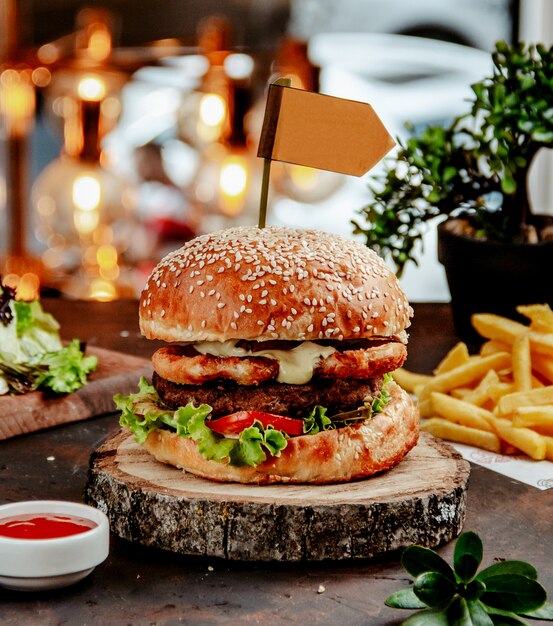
(143,586)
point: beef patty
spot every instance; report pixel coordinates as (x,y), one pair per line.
(281,399)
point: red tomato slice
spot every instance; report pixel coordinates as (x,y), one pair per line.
(235,423)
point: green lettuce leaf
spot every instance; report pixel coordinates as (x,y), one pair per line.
(317,421)
(66,369)
(252,443)
(19,377)
(378,404)
(143,412)
(32,355)
(37,331)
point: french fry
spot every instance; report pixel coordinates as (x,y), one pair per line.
(548,448)
(444,429)
(481,392)
(458,355)
(506,330)
(536,382)
(465,374)
(538,418)
(500,399)
(425,408)
(510,402)
(498,390)
(530,442)
(522,366)
(409,380)
(461,392)
(497,328)
(461,412)
(492,346)
(543,365)
(540,315)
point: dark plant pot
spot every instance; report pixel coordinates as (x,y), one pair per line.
(491,277)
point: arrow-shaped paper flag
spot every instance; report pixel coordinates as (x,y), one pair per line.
(320,131)
(316,130)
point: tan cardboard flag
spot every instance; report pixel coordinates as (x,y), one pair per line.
(320,131)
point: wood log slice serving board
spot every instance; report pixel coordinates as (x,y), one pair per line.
(422,500)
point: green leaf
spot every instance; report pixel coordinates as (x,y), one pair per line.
(416,560)
(545,612)
(67,369)
(404,599)
(542,136)
(474,590)
(512,592)
(274,441)
(24,316)
(467,556)
(18,377)
(317,421)
(478,614)
(463,613)
(427,618)
(449,172)
(504,618)
(508,185)
(379,404)
(249,449)
(434,589)
(508,567)
(31,318)
(143,412)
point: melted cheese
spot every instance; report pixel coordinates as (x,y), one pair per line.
(295,366)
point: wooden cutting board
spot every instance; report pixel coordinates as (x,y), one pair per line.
(116,373)
(422,500)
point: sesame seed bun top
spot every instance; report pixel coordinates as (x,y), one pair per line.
(272,283)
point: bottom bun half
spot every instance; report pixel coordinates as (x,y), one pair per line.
(332,456)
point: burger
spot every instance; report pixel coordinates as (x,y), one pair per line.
(280,345)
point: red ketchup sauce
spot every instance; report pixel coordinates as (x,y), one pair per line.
(43,526)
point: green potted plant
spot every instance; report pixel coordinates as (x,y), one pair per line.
(474,173)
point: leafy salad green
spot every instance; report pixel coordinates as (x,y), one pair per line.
(32,355)
(143,412)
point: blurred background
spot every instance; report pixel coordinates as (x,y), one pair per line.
(130,127)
